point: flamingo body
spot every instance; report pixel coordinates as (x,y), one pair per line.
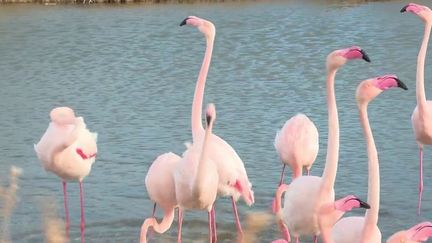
(299,211)
(297,143)
(72,162)
(349,229)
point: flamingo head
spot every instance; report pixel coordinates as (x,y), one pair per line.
(204,26)
(423,12)
(371,88)
(62,116)
(349,202)
(418,233)
(210,114)
(338,58)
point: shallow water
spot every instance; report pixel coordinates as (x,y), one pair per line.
(131,72)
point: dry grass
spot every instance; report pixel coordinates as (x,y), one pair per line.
(8,201)
(255,223)
(53,225)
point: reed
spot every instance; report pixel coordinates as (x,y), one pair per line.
(8,202)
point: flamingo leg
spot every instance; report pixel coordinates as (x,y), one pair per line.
(213,212)
(284,230)
(82,211)
(65,198)
(282,175)
(420,181)
(315,239)
(210,218)
(238,225)
(297,239)
(180,222)
(153,215)
(308,172)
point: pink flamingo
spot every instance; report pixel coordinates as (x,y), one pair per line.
(422,115)
(68,149)
(365,229)
(233,179)
(416,234)
(306,194)
(161,175)
(196,178)
(297,145)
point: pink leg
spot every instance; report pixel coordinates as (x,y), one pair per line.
(82,211)
(297,240)
(315,239)
(153,215)
(238,225)
(213,212)
(65,198)
(210,218)
(421,181)
(284,231)
(308,172)
(180,222)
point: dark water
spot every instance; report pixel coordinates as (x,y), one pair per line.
(131,72)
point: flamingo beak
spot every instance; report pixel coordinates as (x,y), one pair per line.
(208,119)
(363,204)
(365,56)
(184,22)
(404,9)
(401,84)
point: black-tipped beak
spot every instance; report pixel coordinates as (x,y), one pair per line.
(208,119)
(404,9)
(184,22)
(401,84)
(365,56)
(363,204)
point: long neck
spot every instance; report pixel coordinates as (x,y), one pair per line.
(159,228)
(371,217)
(199,89)
(278,199)
(329,174)
(327,223)
(420,89)
(203,162)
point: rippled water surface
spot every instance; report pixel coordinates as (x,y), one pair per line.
(131,72)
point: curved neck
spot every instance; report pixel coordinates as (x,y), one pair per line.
(371,217)
(278,203)
(203,163)
(199,90)
(159,228)
(328,218)
(330,170)
(420,89)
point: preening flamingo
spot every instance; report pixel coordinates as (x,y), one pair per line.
(416,234)
(421,118)
(297,145)
(306,194)
(196,178)
(365,229)
(233,179)
(68,149)
(161,190)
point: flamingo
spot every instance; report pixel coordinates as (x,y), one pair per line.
(306,194)
(421,117)
(233,179)
(365,229)
(161,175)
(68,149)
(196,178)
(297,145)
(416,234)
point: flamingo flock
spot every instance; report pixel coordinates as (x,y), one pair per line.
(210,167)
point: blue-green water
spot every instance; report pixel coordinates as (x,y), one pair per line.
(131,72)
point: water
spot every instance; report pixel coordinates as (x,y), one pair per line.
(131,72)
